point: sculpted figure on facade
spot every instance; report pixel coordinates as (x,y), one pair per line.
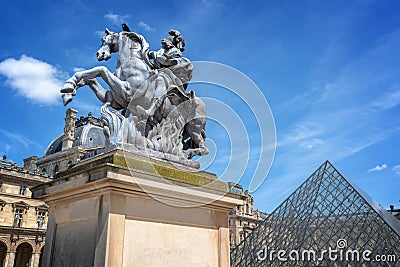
(146,107)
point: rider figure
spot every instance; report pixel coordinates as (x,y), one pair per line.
(169,54)
(169,57)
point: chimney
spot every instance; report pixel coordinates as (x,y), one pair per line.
(30,163)
(69,129)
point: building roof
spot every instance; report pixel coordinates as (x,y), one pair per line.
(9,166)
(88,133)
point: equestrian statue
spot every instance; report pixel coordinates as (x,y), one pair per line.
(146,107)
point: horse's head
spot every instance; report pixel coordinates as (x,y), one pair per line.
(109,45)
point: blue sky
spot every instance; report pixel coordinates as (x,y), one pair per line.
(330,72)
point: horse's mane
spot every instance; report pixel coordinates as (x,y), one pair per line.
(134,36)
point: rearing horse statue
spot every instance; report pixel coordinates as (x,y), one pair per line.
(131,71)
(149,91)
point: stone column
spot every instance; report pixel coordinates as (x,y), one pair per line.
(5,262)
(36,258)
(32,259)
(11,258)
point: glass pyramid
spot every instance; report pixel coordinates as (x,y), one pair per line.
(327,221)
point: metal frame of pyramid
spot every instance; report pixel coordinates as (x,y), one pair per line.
(327,212)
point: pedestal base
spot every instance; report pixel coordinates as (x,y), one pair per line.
(101,214)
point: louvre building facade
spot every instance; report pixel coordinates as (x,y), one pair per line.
(23,220)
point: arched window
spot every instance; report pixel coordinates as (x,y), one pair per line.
(23,255)
(3,252)
(56,170)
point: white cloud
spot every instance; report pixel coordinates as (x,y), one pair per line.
(26,142)
(312,143)
(116,19)
(146,27)
(76,69)
(83,106)
(378,168)
(396,169)
(99,33)
(389,100)
(33,79)
(304,135)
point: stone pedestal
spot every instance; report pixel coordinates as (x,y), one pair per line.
(121,209)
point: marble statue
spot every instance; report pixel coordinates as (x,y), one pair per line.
(146,107)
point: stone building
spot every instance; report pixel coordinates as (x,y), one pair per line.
(394,212)
(81,136)
(243,219)
(23,220)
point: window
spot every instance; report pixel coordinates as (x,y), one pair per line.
(18,217)
(40,218)
(56,169)
(22,189)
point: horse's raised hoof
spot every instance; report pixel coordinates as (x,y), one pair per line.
(66,99)
(68,88)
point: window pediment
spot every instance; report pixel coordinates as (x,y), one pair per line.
(42,207)
(21,205)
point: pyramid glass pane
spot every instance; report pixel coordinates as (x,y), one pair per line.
(327,221)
